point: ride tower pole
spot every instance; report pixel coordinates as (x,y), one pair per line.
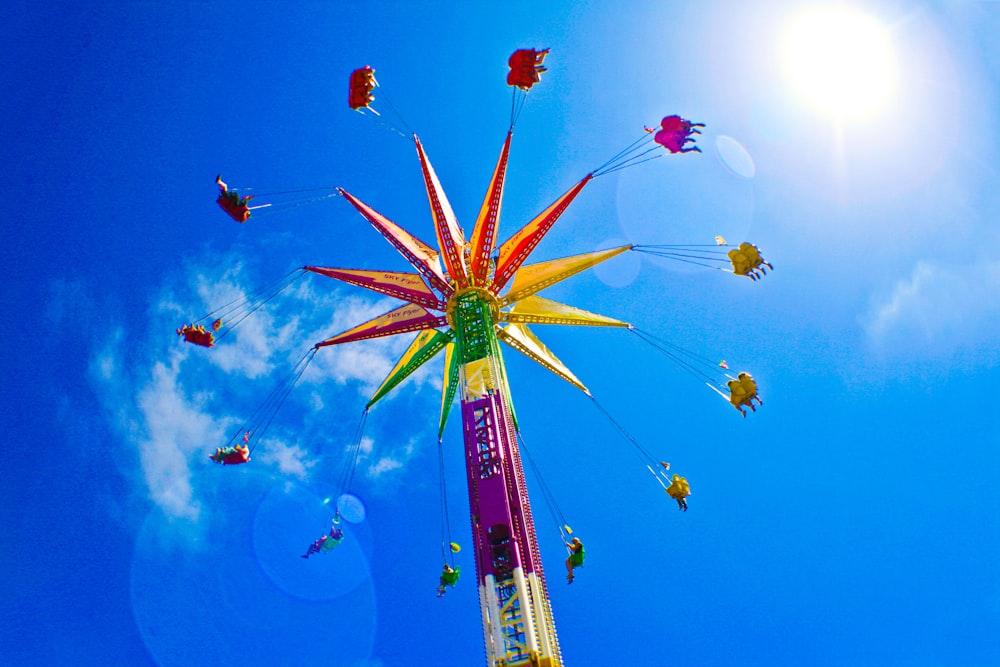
(518,627)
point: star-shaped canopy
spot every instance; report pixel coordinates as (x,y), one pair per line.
(475,264)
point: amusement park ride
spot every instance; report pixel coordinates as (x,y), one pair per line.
(484,295)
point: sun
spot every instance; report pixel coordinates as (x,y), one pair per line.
(840,61)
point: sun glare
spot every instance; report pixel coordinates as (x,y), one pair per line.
(840,61)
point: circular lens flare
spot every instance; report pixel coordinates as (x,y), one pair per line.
(734,156)
(840,61)
(352,508)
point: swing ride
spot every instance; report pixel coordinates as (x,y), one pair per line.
(237,206)
(463,300)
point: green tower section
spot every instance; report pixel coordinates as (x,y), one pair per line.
(473,324)
(474,319)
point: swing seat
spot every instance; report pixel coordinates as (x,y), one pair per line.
(238,212)
(198,337)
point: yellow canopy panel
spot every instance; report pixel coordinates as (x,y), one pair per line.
(519,337)
(536,277)
(477,379)
(538,310)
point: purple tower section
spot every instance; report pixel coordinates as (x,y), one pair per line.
(497,502)
(517,616)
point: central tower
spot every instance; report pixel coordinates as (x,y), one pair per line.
(517,618)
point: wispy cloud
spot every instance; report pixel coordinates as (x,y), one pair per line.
(394,459)
(174,403)
(289,459)
(257,340)
(938,310)
(384,465)
(172,428)
(163,425)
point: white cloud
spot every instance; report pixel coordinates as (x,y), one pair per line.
(257,336)
(316,401)
(395,459)
(939,310)
(290,459)
(166,427)
(106,366)
(384,465)
(168,421)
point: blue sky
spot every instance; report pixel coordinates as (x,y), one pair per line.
(853,520)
